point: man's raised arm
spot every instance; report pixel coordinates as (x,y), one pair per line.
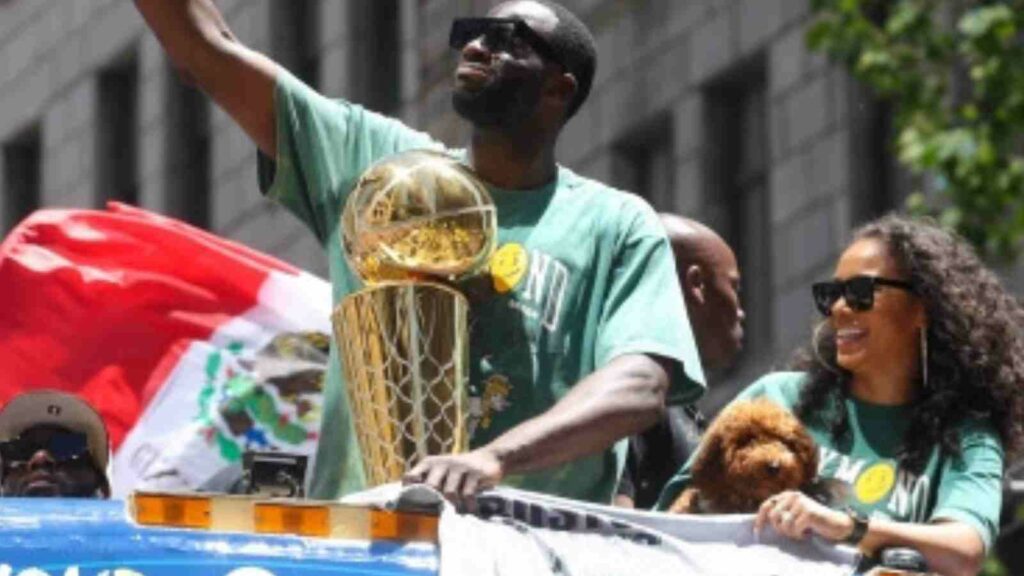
(203,49)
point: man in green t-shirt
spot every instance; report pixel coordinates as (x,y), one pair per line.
(575,332)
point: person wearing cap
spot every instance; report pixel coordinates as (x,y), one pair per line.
(52,444)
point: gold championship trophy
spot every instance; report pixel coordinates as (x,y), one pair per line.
(414,222)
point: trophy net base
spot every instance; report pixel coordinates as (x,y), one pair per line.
(405,355)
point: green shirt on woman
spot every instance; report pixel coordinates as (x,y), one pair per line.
(966,487)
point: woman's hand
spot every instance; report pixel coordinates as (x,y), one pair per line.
(796,515)
(949,546)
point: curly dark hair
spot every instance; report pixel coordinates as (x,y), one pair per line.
(975,345)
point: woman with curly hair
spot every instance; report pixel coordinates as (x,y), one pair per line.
(913,386)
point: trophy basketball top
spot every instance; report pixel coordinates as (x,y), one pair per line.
(418,215)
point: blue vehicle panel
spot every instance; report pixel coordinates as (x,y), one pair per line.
(69,537)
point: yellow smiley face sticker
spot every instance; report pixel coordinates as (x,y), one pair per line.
(508,266)
(875,482)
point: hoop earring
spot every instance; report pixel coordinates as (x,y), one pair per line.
(924,358)
(817,353)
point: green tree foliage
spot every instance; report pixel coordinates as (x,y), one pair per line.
(954,72)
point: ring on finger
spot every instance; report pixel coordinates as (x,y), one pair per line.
(786,517)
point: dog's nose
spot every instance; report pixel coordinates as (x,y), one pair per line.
(774,467)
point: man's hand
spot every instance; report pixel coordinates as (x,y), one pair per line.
(623,397)
(459,476)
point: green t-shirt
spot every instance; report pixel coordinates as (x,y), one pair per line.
(582,274)
(965,487)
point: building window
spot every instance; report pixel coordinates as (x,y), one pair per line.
(737,198)
(377,54)
(188,173)
(879,184)
(117,170)
(644,163)
(22,176)
(295,38)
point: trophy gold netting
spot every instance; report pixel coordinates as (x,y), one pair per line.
(413,222)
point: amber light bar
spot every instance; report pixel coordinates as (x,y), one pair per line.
(228,513)
(277,518)
(168,510)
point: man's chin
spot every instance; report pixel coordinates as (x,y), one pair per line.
(470,87)
(40,490)
(488,109)
(473,108)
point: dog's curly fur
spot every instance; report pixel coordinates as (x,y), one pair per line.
(753,450)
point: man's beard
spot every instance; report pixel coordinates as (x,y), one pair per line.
(504,104)
(55,485)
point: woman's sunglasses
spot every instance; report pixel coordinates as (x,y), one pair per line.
(500,35)
(858,292)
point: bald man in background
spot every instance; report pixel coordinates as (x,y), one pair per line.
(710,280)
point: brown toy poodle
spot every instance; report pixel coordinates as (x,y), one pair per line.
(753,450)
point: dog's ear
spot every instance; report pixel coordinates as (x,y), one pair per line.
(806,449)
(707,466)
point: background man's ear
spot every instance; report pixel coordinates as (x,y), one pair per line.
(694,284)
(566,87)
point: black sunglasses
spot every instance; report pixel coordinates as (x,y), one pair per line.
(858,292)
(500,35)
(64,447)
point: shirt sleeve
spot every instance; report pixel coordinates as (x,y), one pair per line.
(323,146)
(970,489)
(644,312)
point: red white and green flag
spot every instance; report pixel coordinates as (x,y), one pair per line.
(193,348)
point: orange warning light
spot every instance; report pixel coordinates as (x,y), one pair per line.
(172,510)
(274,518)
